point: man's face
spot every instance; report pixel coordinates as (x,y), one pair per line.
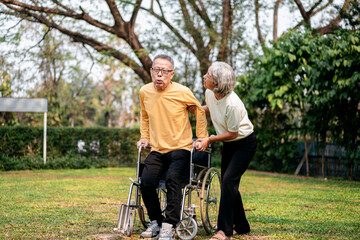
(161,73)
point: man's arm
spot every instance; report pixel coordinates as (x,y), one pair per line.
(201,122)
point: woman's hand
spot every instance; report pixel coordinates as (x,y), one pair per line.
(202,144)
(192,109)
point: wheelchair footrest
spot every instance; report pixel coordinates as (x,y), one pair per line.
(123,220)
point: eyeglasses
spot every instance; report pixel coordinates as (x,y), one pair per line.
(164,72)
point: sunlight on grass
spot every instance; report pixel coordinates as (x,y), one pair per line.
(77,204)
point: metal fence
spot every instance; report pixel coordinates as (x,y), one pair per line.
(335,164)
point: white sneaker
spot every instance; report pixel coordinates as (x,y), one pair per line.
(167,232)
(152,231)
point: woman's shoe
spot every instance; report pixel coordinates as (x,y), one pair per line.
(236,233)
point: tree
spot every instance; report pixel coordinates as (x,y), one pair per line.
(308,83)
(205,28)
(336,92)
(308,11)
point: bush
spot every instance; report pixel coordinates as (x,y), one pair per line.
(22,147)
(72,148)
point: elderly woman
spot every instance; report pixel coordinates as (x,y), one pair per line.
(233,127)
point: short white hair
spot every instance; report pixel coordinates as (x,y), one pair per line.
(164,56)
(224,77)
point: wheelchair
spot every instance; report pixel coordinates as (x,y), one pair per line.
(203,180)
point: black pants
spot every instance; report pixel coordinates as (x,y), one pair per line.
(156,164)
(235,159)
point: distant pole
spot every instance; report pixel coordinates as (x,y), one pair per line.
(44,146)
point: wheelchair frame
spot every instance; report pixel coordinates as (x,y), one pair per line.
(206,183)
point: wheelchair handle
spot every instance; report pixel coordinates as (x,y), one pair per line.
(143,146)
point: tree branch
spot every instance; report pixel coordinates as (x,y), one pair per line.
(312,12)
(135,13)
(330,28)
(303,12)
(98,46)
(202,13)
(172,29)
(63,6)
(315,6)
(119,21)
(195,33)
(42,39)
(71,14)
(226,28)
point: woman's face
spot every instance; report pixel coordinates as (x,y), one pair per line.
(209,82)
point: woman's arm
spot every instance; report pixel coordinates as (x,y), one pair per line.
(203,143)
(192,109)
(206,109)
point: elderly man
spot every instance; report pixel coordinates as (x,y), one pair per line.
(165,125)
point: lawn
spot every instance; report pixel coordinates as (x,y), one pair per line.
(80,204)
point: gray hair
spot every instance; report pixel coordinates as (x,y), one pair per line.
(164,56)
(224,77)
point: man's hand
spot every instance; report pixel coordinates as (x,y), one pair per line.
(145,142)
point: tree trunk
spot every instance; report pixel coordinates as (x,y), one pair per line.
(260,37)
(303,159)
(323,161)
(226,28)
(276,11)
(306,157)
(351,172)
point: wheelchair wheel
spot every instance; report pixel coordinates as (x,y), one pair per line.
(144,218)
(187,229)
(210,200)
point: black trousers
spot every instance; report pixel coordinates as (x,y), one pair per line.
(235,159)
(156,164)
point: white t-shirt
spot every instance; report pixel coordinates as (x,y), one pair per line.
(229,115)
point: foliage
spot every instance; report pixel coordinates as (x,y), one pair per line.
(79,204)
(21,147)
(5,91)
(352,16)
(306,84)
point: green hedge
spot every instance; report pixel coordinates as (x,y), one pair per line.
(21,147)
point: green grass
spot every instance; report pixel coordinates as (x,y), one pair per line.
(78,204)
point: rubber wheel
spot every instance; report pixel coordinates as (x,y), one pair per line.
(187,229)
(210,200)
